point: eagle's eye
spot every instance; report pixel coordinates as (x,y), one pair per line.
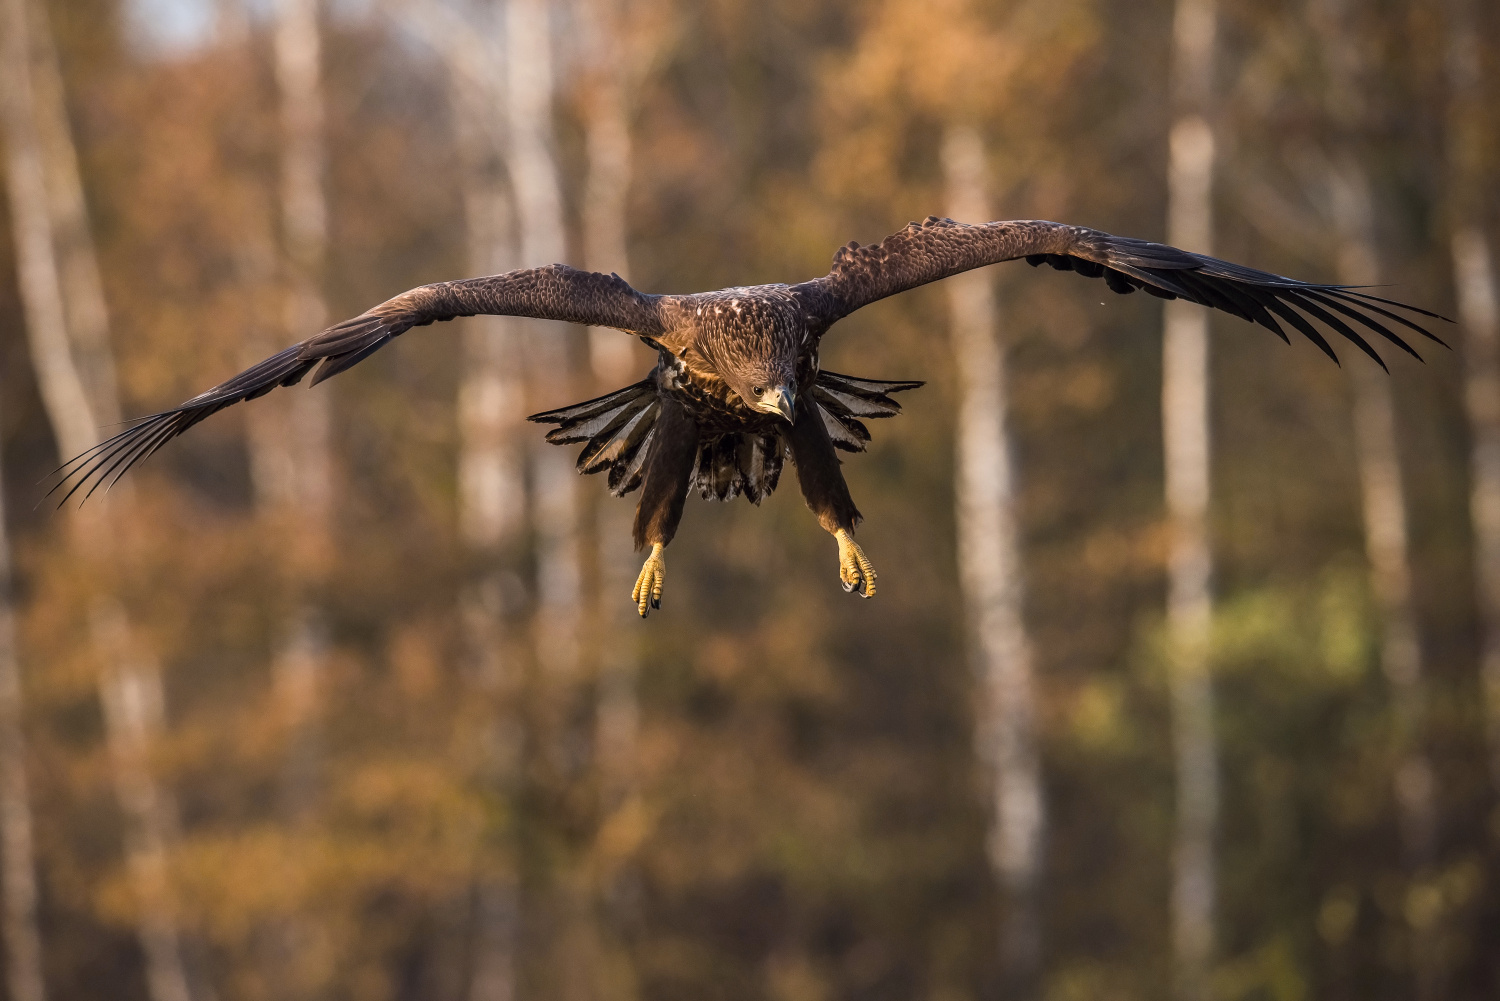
(759,390)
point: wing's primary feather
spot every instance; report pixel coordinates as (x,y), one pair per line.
(554,292)
(938,248)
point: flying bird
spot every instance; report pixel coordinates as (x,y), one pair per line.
(737,387)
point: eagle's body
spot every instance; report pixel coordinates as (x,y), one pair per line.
(737,387)
(740,447)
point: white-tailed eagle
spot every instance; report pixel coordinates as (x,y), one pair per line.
(737,386)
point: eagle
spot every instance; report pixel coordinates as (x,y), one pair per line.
(737,387)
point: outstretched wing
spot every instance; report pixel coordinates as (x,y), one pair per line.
(554,292)
(937,248)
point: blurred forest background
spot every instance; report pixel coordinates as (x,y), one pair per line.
(342,695)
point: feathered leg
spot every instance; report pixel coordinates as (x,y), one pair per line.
(827,494)
(669,467)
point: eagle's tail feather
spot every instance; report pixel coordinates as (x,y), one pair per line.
(844,399)
(618,428)
(735,464)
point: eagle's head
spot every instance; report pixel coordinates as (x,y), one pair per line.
(751,339)
(765,379)
(780,399)
(765,382)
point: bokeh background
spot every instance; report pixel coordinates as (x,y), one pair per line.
(342,696)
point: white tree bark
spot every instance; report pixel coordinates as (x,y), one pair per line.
(292,462)
(492,469)
(538,198)
(303,481)
(1387,549)
(1479,315)
(1386,544)
(557,514)
(64,395)
(231,22)
(610,154)
(86,314)
(492,391)
(529,89)
(492,395)
(130,689)
(615,57)
(1479,318)
(492,501)
(290,447)
(497,924)
(46,199)
(615,363)
(1185,435)
(993,582)
(18,884)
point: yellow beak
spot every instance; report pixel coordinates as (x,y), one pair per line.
(781,401)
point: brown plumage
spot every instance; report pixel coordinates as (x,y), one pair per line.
(737,386)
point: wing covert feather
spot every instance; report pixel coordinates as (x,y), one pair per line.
(929,251)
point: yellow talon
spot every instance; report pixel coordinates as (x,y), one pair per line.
(854,565)
(647,593)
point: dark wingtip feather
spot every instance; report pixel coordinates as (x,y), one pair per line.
(1365,301)
(1301,300)
(1368,321)
(1355,290)
(117,455)
(99,462)
(1246,292)
(1269,300)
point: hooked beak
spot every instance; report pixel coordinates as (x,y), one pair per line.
(781,401)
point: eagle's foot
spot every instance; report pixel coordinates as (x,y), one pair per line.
(647,593)
(855,569)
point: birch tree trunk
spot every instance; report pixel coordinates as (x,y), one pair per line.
(539,213)
(131,692)
(992,579)
(616,57)
(1479,319)
(46,200)
(303,480)
(231,23)
(18,884)
(295,480)
(1386,543)
(564,914)
(1185,435)
(615,363)
(492,476)
(53,246)
(1384,498)
(1479,316)
(1388,551)
(87,316)
(290,453)
(493,503)
(62,389)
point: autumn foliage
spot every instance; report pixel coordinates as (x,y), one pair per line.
(801,814)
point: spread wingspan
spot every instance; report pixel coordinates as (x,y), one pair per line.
(554,292)
(937,248)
